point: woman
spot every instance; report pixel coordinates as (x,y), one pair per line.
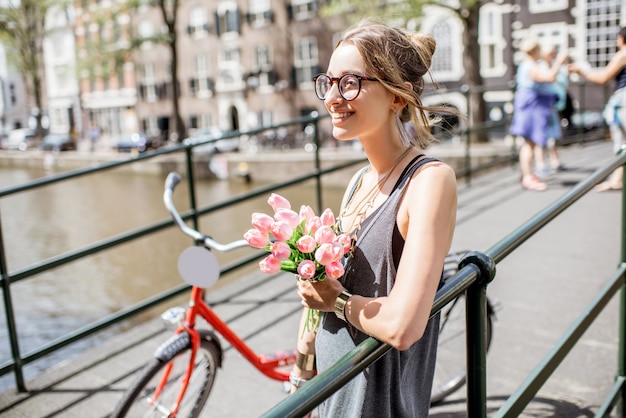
(615,110)
(401,211)
(532,107)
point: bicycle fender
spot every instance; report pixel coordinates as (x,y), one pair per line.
(210,336)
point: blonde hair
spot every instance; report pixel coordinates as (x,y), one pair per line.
(529,45)
(396,57)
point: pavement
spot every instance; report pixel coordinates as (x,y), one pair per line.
(541,288)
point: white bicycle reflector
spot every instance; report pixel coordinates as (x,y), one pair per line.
(198,267)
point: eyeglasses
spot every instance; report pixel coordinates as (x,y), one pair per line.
(349,85)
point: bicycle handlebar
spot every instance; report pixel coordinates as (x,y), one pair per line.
(171,182)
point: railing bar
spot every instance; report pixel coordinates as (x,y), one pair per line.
(513,240)
(145,156)
(516,403)
(353,362)
(612,398)
(120,315)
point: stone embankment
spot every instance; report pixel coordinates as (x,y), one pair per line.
(266,166)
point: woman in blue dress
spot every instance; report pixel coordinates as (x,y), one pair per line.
(532,107)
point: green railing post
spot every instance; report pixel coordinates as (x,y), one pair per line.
(10,318)
(476,320)
(621,361)
(465,90)
(191,186)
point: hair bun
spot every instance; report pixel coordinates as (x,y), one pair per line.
(426,46)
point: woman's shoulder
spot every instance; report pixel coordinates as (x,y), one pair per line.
(433,173)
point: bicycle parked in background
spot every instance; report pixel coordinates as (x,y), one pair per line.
(177,381)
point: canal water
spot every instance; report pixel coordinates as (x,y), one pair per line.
(57,219)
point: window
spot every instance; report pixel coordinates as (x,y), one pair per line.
(303,9)
(542,6)
(229,67)
(259,13)
(145,31)
(491,41)
(442,60)
(306,62)
(601,24)
(265,77)
(201,85)
(149,84)
(228,19)
(198,22)
(447,30)
(551,34)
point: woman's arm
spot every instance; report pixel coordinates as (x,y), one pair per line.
(539,75)
(603,75)
(426,219)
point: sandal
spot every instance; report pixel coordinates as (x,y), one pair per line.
(533,183)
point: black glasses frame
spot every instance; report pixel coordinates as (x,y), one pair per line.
(337,80)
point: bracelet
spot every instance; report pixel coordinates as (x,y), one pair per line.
(340,305)
(305,361)
(297,381)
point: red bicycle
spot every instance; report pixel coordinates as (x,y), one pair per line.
(178,380)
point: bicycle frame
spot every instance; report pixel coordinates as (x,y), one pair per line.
(268,364)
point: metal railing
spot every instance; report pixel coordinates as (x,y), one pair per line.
(476,271)
(8,278)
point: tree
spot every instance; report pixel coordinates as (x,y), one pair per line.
(468,13)
(104,60)
(22,27)
(169,12)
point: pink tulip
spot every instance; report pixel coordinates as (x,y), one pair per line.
(324,234)
(269,265)
(306,244)
(334,270)
(280,250)
(287,215)
(313,225)
(262,222)
(306,269)
(282,230)
(306,213)
(325,254)
(256,238)
(276,201)
(327,217)
(345,241)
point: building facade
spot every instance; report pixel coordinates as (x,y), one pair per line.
(245,64)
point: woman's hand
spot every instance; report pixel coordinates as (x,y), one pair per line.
(320,295)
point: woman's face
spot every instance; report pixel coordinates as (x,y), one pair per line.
(367,115)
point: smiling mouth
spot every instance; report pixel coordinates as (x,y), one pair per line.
(341,115)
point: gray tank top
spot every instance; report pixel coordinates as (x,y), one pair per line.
(398,384)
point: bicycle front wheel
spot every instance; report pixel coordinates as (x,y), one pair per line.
(139,400)
(451,366)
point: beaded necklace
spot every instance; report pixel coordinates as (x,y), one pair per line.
(367,202)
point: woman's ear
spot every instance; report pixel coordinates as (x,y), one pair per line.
(400,102)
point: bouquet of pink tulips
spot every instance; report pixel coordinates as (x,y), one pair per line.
(304,244)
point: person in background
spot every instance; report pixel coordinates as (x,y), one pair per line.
(559,87)
(400,211)
(615,109)
(532,107)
